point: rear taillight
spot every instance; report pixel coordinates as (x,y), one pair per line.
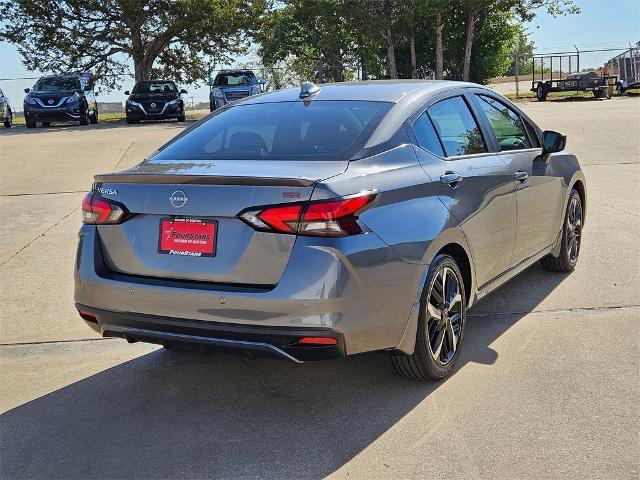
(324,218)
(98,210)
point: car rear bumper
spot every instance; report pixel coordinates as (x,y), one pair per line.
(358,293)
(280,342)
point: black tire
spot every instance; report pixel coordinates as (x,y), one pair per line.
(599,93)
(93,119)
(9,121)
(181,118)
(84,116)
(46,124)
(422,364)
(131,122)
(30,123)
(571,230)
(541,93)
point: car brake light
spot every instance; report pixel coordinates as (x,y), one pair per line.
(98,210)
(324,218)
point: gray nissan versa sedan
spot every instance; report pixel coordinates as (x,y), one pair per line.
(330,220)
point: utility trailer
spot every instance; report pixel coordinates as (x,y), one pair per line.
(560,72)
(627,67)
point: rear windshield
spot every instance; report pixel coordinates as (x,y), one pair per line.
(57,84)
(238,78)
(320,130)
(155,87)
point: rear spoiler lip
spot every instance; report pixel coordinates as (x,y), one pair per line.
(165,179)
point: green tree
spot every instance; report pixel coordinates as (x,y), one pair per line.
(524,9)
(174,38)
(311,36)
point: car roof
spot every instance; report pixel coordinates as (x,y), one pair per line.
(406,95)
(372,90)
(61,75)
(226,72)
(155,81)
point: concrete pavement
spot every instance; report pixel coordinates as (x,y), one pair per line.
(548,386)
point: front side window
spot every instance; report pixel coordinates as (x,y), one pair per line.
(320,130)
(154,87)
(456,127)
(505,123)
(57,84)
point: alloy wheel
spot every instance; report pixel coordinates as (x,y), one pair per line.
(444,315)
(574,229)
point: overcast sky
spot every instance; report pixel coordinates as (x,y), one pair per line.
(602,24)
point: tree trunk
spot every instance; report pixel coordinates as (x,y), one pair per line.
(391,56)
(412,46)
(468,43)
(439,52)
(140,70)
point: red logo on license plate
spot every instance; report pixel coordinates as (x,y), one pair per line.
(190,237)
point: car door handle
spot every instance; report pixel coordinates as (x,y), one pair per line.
(521,176)
(451,178)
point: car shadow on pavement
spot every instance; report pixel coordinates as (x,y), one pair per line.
(174,414)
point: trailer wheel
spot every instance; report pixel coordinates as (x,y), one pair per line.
(541,93)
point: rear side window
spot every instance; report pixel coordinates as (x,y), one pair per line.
(505,123)
(319,130)
(456,127)
(426,135)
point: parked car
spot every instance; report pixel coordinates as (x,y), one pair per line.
(155,100)
(6,114)
(61,98)
(329,221)
(231,85)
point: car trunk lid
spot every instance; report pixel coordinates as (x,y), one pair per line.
(214,192)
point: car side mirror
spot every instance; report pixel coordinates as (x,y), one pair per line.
(182,90)
(27,90)
(553,142)
(126,92)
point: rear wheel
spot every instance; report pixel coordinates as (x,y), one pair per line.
(181,118)
(30,123)
(541,93)
(571,238)
(440,326)
(94,118)
(9,121)
(130,121)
